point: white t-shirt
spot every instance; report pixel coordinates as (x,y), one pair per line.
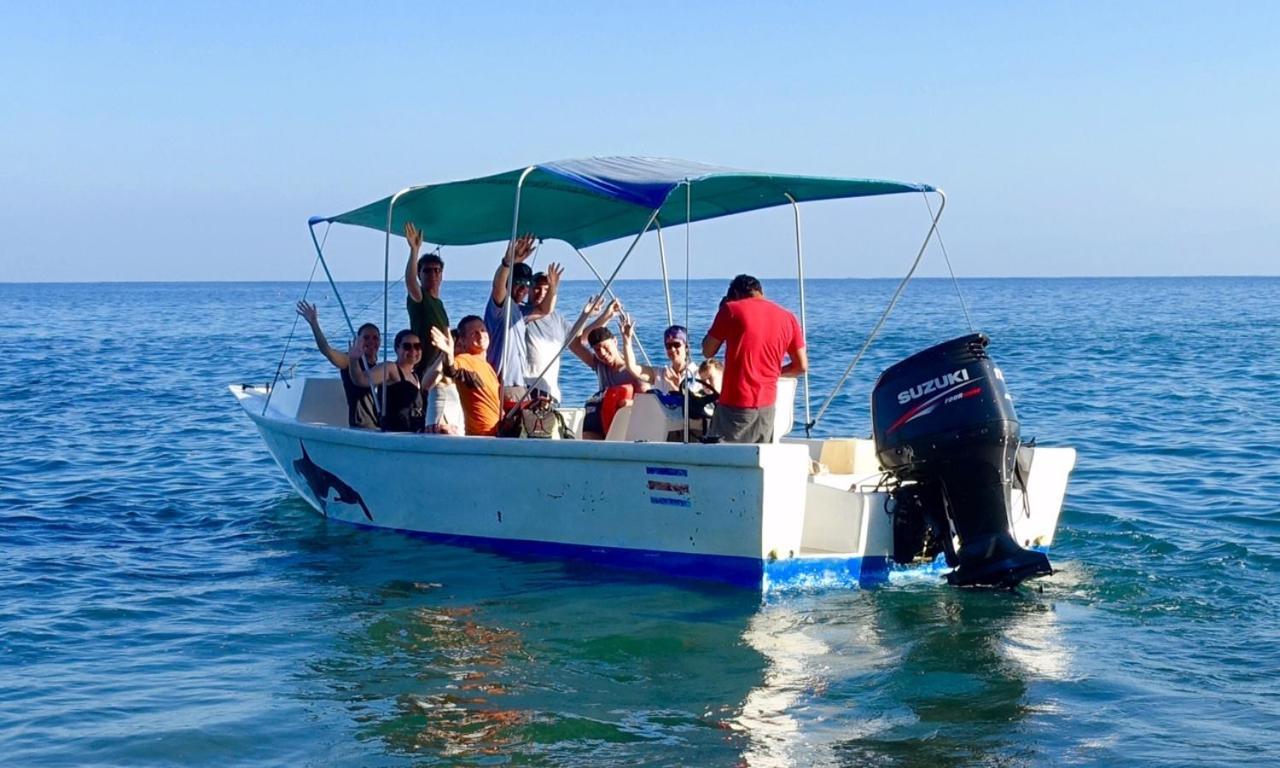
(544,338)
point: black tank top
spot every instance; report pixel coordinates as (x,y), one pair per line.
(405,412)
(361,410)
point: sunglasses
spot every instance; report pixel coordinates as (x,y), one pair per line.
(674,344)
(411,345)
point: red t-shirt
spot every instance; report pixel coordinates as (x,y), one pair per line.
(758,335)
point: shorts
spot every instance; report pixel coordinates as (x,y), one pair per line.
(742,425)
(591,419)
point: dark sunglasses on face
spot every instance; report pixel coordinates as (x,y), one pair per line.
(411,345)
(674,344)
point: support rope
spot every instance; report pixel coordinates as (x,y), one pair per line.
(963,307)
(933,227)
(289,341)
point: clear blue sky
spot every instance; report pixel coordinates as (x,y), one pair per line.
(165,141)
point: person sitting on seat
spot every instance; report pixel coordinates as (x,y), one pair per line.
(597,348)
(362,411)
(711,376)
(476,379)
(665,379)
(403,393)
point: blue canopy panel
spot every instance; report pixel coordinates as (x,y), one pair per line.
(594,200)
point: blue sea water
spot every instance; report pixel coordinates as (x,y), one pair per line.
(165,599)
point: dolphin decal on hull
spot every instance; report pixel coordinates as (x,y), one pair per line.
(321,481)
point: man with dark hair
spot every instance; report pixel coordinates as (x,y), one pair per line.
(477,382)
(508,351)
(422,280)
(759,335)
(362,411)
(597,348)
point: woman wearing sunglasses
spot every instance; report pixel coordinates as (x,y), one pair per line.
(404,411)
(665,379)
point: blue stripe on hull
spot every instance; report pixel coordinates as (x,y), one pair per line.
(738,571)
(796,574)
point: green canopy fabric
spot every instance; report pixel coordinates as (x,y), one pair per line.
(595,200)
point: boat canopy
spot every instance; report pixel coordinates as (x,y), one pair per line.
(594,200)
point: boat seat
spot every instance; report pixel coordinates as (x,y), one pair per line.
(618,427)
(648,420)
(784,407)
(847,456)
(323,402)
(573,420)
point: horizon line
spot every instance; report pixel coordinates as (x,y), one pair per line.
(658,280)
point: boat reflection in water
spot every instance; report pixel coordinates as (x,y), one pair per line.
(440,652)
(906,675)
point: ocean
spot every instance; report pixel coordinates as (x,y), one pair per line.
(166,599)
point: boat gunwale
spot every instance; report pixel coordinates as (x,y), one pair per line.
(746,456)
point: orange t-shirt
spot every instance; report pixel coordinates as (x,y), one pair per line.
(478,389)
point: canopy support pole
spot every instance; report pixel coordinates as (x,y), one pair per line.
(329,276)
(933,227)
(607,284)
(511,274)
(666,284)
(386,290)
(688,236)
(804,326)
(609,292)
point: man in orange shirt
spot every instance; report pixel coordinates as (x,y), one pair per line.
(477,382)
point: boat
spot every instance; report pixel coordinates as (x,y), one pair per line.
(943,487)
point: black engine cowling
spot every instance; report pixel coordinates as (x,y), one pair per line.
(945,428)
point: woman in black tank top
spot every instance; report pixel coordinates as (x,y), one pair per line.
(405,410)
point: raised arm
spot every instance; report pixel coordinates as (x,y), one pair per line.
(365,377)
(414,238)
(548,303)
(578,344)
(629,354)
(308,312)
(517,252)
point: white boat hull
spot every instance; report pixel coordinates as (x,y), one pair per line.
(748,514)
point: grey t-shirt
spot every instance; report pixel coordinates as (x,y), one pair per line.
(608,377)
(544,337)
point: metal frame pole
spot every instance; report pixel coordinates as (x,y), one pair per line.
(933,226)
(688,237)
(666,284)
(804,325)
(311,225)
(577,326)
(609,292)
(386,289)
(511,274)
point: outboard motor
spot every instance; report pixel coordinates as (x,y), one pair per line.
(946,430)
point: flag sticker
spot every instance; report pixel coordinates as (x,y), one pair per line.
(668,486)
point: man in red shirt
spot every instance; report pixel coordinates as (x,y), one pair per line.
(759,335)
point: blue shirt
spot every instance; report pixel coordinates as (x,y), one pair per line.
(508,347)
